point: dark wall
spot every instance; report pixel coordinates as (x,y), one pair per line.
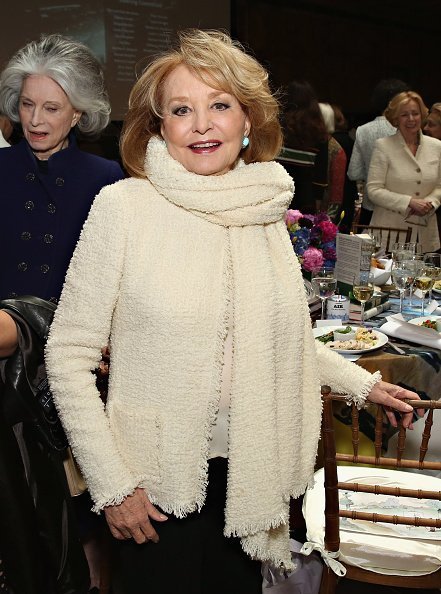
(344,47)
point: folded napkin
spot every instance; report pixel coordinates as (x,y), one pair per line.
(333,322)
(374,311)
(430,307)
(381,276)
(397,327)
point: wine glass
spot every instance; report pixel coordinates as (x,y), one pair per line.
(424,282)
(416,266)
(363,288)
(401,251)
(432,262)
(377,240)
(324,284)
(403,277)
(414,247)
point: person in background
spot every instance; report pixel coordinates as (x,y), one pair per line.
(350,193)
(305,151)
(404,181)
(367,134)
(6,130)
(333,194)
(432,125)
(201,445)
(52,88)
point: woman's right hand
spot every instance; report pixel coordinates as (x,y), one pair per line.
(8,335)
(131,518)
(419,206)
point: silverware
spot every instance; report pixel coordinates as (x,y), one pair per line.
(394,346)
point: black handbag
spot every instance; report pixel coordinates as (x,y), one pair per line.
(39,537)
(26,386)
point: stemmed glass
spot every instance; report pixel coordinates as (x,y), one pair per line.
(424,282)
(377,240)
(324,284)
(432,263)
(416,266)
(403,277)
(414,247)
(363,288)
(401,251)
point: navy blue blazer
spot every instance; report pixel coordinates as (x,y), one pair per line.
(42,214)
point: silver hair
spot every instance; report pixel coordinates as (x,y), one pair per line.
(70,64)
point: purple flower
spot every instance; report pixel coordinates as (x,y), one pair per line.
(329,253)
(320,217)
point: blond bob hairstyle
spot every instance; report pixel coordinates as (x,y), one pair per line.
(392,111)
(221,63)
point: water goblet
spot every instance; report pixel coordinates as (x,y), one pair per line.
(395,248)
(414,247)
(423,282)
(415,265)
(363,288)
(402,277)
(432,262)
(324,284)
(401,253)
(377,240)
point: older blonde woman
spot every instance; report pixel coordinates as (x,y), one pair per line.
(404,180)
(213,413)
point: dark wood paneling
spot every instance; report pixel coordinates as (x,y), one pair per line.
(344,47)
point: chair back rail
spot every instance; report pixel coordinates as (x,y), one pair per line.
(388,462)
(332,486)
(388,235)
(388,519)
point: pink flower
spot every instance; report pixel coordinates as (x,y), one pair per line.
(292,216)
(312,258)
(329,231)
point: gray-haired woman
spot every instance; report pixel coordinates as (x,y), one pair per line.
(51,87)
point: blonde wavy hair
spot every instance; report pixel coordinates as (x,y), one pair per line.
(221,63)
(396,103)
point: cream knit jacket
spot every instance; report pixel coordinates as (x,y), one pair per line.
(156,266)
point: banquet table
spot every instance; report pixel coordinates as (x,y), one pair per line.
(417,370)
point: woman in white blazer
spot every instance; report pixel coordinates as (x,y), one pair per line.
(404,180)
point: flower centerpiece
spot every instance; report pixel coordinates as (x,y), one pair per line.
(313,238)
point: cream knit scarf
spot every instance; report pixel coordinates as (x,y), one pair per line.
(275,398)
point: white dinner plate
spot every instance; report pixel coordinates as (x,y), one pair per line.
(438,291)
(382,339)
(421,319)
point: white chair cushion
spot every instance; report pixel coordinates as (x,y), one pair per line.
(381,548)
